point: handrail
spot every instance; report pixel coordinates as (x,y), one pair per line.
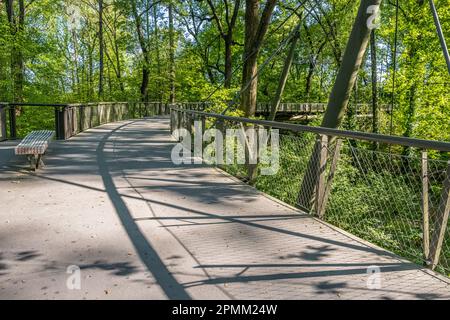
(264,106)
(66,120)
(24,104)
(58,105)
(371,137)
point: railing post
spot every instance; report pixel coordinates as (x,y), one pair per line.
(329,182)
(3,122)
(220,144)
(220,126)
(179,116)
(425,207)
(189,122)
(12,122)
(320,186)
(203,120)
(182,119)
(172,121)
(440,225)
(61,123)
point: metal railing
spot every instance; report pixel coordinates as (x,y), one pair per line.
(290,107)
(3,121)
(69,119)
(391,191)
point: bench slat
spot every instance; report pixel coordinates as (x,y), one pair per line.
(35,143)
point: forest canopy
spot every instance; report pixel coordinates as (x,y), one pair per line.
(55,51)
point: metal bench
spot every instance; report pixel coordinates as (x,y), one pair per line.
(34,147)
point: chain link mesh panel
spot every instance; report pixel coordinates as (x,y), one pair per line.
(373,191)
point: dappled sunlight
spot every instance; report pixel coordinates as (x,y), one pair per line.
(181,232)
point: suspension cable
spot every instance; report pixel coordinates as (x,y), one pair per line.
(440,34)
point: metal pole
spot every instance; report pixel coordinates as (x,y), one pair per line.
(425,207)
(12,122)
(441,221)
(440,34)
(3,135)
(320,186)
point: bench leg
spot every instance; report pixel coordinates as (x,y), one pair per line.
(32,161)
(36,161)
(39,162)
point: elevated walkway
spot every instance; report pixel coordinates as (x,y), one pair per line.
(112,203)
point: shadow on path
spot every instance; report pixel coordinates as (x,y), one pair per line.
(146,252)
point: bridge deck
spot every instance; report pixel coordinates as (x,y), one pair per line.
(111,202)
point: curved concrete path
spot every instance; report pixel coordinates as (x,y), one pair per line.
(111,202)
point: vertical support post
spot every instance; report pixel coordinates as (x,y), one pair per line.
(220,126)
(61,123)
(182,119)
(172,121)
(203,120)
(82,117)
(3,122)
(179,115)
(334,163)
(320,186)
(425,206)
(189,122)
(12,122)
(440,225)
(220,145)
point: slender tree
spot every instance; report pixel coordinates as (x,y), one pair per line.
(171,54)
(373,56)
(227,33)
(101,48)
(17,28)
(256,27)
(139,25)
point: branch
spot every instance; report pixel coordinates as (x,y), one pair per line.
(216,18)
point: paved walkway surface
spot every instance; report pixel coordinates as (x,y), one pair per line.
(111,202)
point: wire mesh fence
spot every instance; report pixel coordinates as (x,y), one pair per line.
(395,196)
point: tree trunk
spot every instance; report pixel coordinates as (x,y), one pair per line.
(411,115)
(119,67)
(373,55)
(91,76)
(145,53)
(228,59)
(158,55)
(340,94)
(75,62)
(255,30)
(144,84)
(227,35)
(101,48)
(17,63)
(308,84)
(284,75)
(171,55)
